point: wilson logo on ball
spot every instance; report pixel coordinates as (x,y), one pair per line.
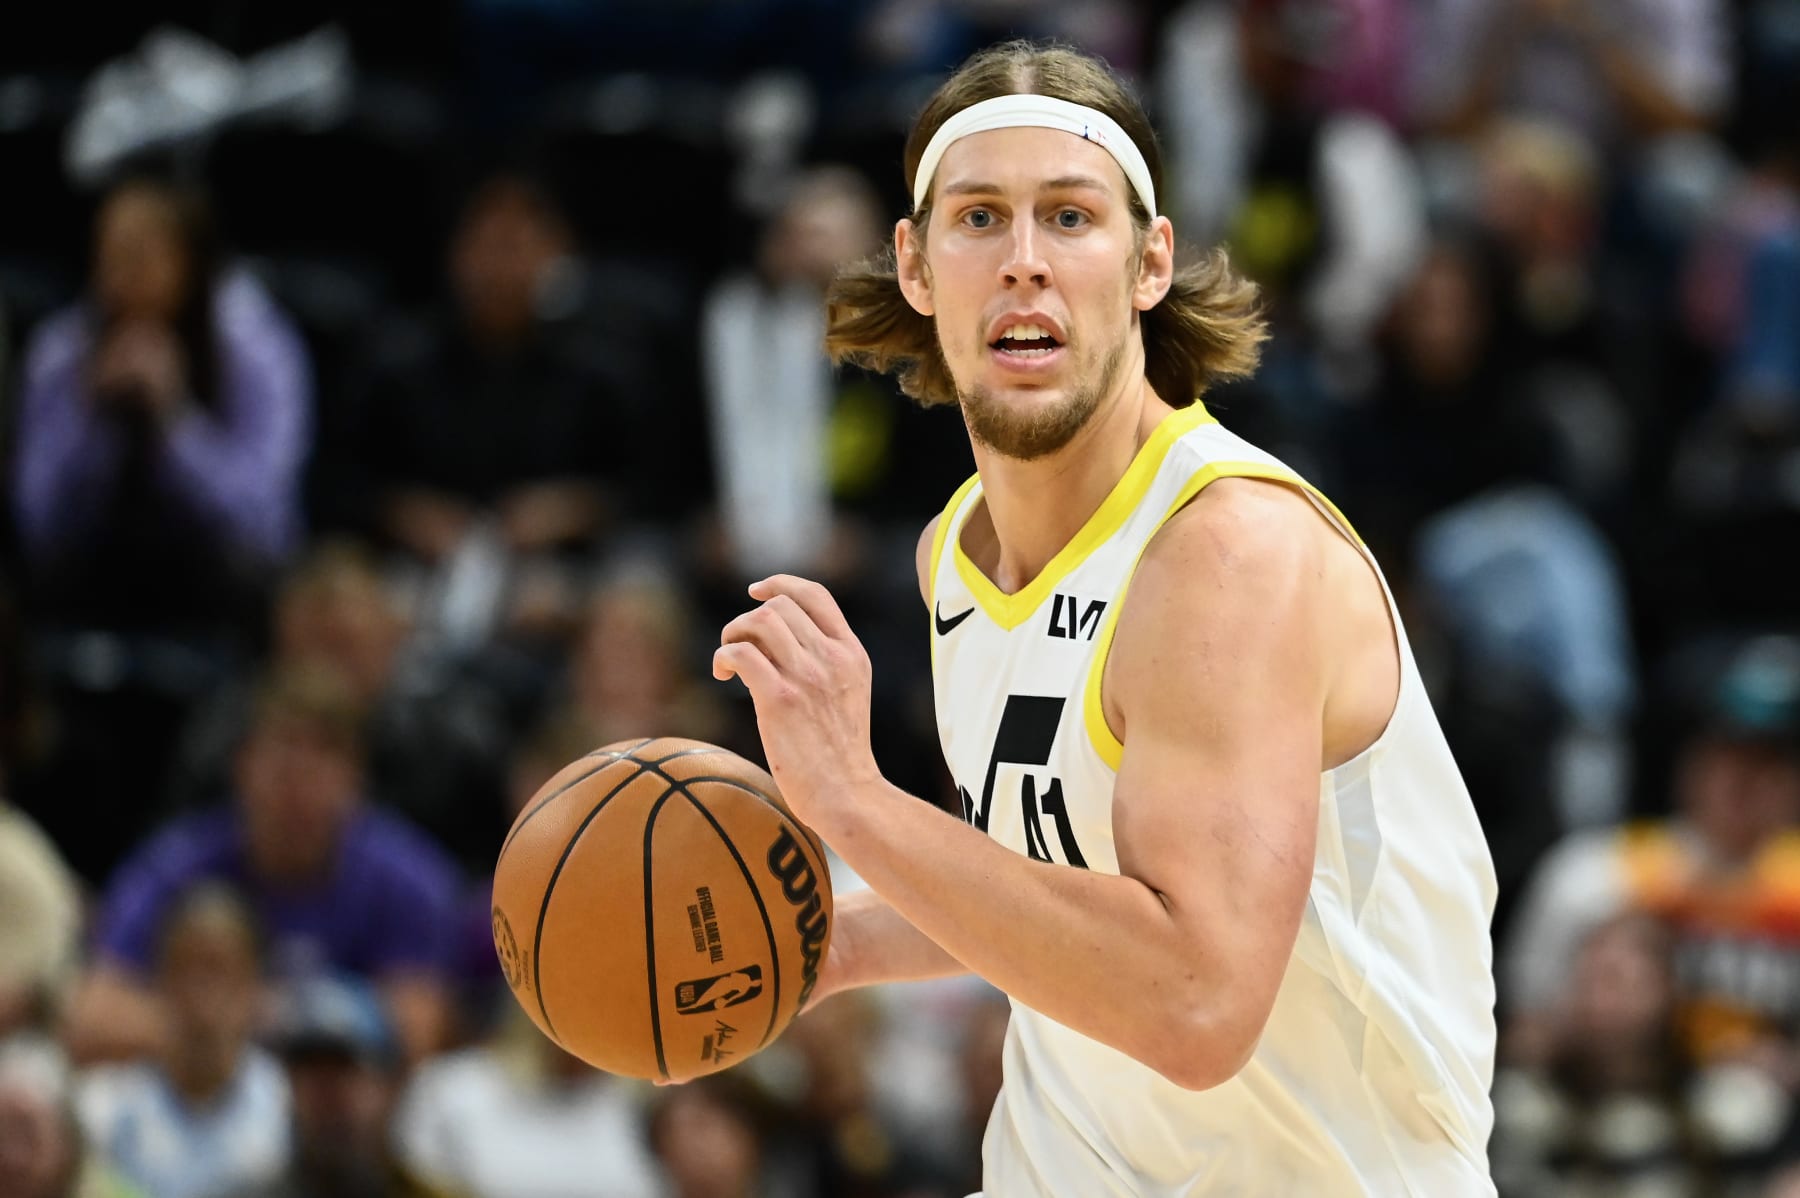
(801,888)
(719,991)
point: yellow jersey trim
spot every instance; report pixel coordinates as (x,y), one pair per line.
(1100,734)
(942,531)
(1010,611)
(938,535)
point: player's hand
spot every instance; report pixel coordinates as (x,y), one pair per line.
(809,678)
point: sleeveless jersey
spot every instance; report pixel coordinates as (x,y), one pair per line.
(1372,1074)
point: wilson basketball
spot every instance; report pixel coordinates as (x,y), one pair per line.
(658,912)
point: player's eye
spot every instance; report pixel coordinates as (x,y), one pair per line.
(1070,218)
(978,218)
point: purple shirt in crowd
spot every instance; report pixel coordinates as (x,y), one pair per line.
(235,471)
(390,904)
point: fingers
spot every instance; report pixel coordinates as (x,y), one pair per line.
(811,597)
(777,634)
(744,661)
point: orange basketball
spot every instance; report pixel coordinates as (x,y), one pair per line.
(658,912)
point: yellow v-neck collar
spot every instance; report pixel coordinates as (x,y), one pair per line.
(1010,611)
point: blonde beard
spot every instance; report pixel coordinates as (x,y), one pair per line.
(1028,436)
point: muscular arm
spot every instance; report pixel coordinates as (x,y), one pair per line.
(1219,677)
(873,943)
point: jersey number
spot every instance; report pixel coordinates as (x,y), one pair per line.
(1027,732)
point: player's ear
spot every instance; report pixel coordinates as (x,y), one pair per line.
(1156,265)
(909,264)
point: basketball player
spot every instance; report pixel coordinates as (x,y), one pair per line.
(1214,847)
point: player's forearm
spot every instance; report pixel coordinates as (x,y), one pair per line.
(872,943)
(1098,953)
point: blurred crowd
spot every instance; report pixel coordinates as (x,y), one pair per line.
(398,398)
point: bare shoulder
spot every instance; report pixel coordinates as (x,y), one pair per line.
(1252,589)
(1242,530)
(1227,602)
(922,557)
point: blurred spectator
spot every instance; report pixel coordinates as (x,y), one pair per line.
(1542,206)
(1614,69)
(634,670)
(1618,1108)
(436,738)
(928,1067)
(847,1143)
(812,461)
(1733,469)
(210,1114)
(343,1067)
(335,884)
(771,395)
(706,1136)
(160,433)
(162,427)
(1445,467)
(1319,198)
(518,1115)
(1761,382)
(1533,599)
(519,50)
(980,1057)
(1720,872)
(496,435)
(922,36)
(1540,201)
(41,1149)
(40,926)
(555,743)
(831,474)
(1444,380)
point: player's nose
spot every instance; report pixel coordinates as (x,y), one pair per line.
(1024,259)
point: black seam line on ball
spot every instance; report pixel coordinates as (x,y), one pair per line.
(801,831)
(802,835)
(619,754)
(695,752)
(755,893)
(662,1064)
(611,756)
(537,940)
(561,790)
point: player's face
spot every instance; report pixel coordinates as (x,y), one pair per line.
(1034,272)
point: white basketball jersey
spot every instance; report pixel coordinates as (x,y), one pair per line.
(1372,1074)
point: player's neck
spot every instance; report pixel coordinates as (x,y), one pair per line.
(1035,508)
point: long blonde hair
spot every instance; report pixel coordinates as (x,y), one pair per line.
(1208,328)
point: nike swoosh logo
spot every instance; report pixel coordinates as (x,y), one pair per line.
(946,627)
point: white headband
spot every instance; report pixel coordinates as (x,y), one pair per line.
(1045,112)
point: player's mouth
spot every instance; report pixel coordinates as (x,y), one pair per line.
(1025,345)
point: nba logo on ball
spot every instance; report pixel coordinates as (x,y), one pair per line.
(664,888)
(717,993)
